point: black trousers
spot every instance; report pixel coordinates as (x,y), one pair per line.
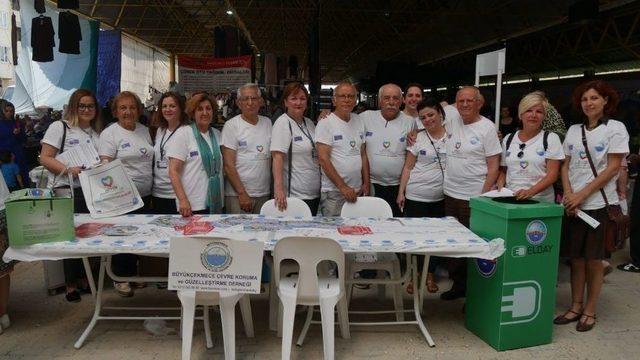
(127,264)
(390,195)
(164,206)
(425,209)
(313,205)
(634,239)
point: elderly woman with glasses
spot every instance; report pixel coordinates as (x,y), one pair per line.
(531,157)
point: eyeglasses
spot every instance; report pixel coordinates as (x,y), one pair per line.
(521,153)
(249,98)
(86,106)
(346,96)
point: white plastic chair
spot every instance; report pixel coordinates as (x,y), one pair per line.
(227,302)
(295,207)
(310,288)
(374,207)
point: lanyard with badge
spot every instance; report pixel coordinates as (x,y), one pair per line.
(307,134)
(162,163)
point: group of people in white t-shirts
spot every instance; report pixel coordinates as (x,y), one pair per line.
(427,160)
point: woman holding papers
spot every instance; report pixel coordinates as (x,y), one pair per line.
(68,146)
(421,191)
(594,150)
(296,171)
(195,161)
(531,157)
(170,116)
(129,141)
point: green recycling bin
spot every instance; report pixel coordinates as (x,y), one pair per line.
(511,300)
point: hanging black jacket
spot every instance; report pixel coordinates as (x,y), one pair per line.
(42,40)
(69,33)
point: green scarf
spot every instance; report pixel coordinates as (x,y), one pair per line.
(212,163)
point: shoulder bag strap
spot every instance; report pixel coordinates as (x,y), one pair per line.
(593,167)
(64,136)
(436,151)
(289,155)
(545,140)
(509,140)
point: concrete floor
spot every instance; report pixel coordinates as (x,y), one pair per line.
(46,327)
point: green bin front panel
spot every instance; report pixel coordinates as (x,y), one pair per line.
(511,300)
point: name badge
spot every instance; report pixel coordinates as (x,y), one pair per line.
(193,154)
(162,164)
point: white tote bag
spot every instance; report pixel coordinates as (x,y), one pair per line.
(108,190)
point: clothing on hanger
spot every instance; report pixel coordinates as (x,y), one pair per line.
(42,38)
(69,33)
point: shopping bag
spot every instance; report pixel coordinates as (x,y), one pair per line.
(108,190)
(39,216)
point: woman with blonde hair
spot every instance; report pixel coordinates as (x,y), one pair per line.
(80,126)
(531,156)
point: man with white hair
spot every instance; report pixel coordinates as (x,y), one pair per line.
(343,160)
(473,160)
(246,139)
(385,134)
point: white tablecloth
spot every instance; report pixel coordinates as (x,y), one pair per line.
(150,234)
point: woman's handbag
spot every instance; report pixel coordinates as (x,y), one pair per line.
(616,230)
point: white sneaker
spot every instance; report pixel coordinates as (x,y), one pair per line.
(4,321)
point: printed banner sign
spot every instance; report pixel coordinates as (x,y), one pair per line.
(215,264)
(108,190)
(213,74)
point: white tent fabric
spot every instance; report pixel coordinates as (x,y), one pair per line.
(143,67)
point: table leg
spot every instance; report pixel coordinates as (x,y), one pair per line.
(98,303)
(89,273)
(416,302)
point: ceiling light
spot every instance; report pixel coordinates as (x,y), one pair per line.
(229,12)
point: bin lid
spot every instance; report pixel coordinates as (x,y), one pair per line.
(510,208)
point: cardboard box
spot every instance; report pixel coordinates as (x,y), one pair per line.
(39,216)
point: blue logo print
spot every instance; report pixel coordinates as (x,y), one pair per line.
(337,137)
(423,152)
(193,153)
(297,138)
(600,147)
(540,151)
(474,140)
(369,133)
(125,145)
(486,268)
(242,143)
(216,257)
(536,232)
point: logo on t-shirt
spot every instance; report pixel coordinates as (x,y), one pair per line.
(259,148)
(242,143)
(423,152)
(386,144)
(402,139)
(193,154)
(582,154)
(458,144)
(297,138)
(600,147)
(524,164)
(337,137)
(352,143)
(125,145)
(540,151)
(474,140)
(74,141)
(369,133)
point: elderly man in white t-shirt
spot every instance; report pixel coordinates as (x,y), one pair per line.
(473,161)
(246,139)
(386,143)
(340,139)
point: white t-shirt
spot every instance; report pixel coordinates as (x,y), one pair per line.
(161,183)
(135,151)
(426,179)
(194,177)
(468,147)
(386,145)
(4,192)
(345,139)
(524,172)
(305,172)
(611,138)
(253,158)
(75,136)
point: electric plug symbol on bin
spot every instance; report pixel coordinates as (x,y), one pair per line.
(523,305)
